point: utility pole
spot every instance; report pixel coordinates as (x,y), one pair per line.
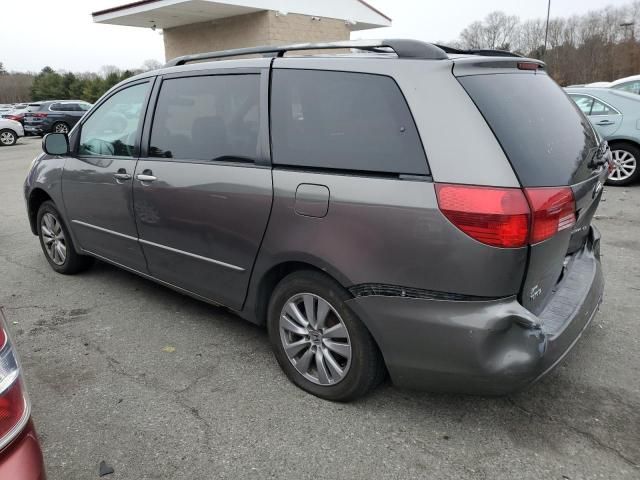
(546,30)
(628,30)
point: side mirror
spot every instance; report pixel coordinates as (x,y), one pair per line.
(56,144)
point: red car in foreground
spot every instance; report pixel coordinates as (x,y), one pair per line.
(20,453)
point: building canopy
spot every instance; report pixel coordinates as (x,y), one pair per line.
(357,14)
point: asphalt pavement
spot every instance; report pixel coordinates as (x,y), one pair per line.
(161,386)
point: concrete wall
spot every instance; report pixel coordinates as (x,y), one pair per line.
(260,28)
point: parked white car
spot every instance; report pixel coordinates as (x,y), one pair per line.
(628,84)
(10,131)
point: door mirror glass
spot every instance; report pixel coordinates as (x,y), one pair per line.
(56,144)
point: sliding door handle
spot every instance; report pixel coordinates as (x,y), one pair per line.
(146,178)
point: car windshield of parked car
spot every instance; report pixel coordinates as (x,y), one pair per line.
(108,131)
(633,86)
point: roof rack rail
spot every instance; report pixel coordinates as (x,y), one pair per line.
(484,52)
(403,48)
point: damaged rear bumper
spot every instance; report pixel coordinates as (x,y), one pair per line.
(483,347)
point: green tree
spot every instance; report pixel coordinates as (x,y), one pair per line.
(68,79)
(93,89)
(47,85)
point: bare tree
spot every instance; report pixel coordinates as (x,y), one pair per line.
(531,37)
(472,36)
(597,46)
(151,64)
(496,31)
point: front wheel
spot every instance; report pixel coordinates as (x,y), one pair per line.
(8,137)
(60,127)
(56,242)
(625,164)
(321,345)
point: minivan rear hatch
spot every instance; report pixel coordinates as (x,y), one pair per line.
(549,143)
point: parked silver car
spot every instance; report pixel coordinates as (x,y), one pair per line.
(615,114)
(426,214)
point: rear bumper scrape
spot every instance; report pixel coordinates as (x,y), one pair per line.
(490,347)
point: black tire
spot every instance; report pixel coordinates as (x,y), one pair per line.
(629,149)
(73,262)
(8,137)
(60,125)
(366,369)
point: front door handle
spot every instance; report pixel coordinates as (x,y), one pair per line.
(122,176)
(605,122)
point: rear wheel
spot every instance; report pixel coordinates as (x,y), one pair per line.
(60,127)
(56,242)
(8,137)
(319,342)
(625,164)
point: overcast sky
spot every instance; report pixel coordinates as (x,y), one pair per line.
(61,34)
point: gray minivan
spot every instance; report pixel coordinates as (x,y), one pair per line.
(406,209)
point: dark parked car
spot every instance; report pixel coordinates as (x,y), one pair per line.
(426,214)
(53,116)
(20,453)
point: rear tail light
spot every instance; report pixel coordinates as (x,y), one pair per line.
(17,118)
(39,115)
(494,216)
(14,404)
(507,217)
(554,209)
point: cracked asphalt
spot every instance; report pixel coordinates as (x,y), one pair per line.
(161,386)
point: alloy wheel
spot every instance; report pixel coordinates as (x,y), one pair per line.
(315,339)
(61,128)
(624,165)
(7,138)
(53,237)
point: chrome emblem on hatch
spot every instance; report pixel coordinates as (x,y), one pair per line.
(535,293)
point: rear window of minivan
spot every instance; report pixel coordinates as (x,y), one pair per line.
(343,121)
(548,141)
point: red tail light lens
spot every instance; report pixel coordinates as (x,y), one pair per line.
(14,406)
(494,216)
(17,118)
(39,115)
(554,209)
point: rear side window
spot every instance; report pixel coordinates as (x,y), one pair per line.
(341,120)
(543,133)
(61,107)
(600,108)
(583,102)
(212,118)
